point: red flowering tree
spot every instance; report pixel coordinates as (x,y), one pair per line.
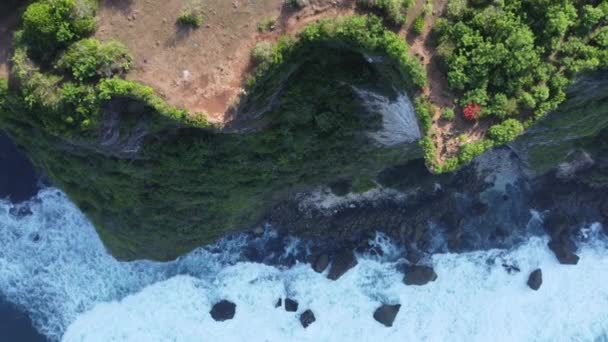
(471,111)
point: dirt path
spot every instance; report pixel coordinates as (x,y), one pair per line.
(446,134)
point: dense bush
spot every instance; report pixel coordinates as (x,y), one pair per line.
(51,25)
(365,34)
(507,131)
(448,114)
(418,25)
(513,59)
(394,10)
(190,18)
(262,52)
(469,151)
(89,58)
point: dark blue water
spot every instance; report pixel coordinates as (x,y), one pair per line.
(18,182)
(16,326)
(18,178)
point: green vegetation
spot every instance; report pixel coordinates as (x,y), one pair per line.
(507,131)
(187,189)
(469,151)
(51,25)
(393,10)
(190,18)
(266,25)
(515,58)
(365,34)
(88,59)
(187,186)
(262,52)
(418,25)
(448,114)
(80,74)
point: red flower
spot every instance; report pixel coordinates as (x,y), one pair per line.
(471,111)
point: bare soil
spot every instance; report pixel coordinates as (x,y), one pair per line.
(202,69)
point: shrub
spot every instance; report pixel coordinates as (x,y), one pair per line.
(418,25)
(3,91)
(190,18)
(469,151)
(52,24)
(262,52)
(471,111)
(424,113)
(266,25)
(89,58)
(448,114)
(394,10)
(506,131)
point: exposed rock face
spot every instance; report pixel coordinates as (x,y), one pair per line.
(307,318)
(278,303)
(563,253)
(320,263)
(419,275)
(343,261)
(223,310)
(291,305)
(535,279)
(386,314)
(577,161)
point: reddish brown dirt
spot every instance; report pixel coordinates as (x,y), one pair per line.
(446,134)
(203,69)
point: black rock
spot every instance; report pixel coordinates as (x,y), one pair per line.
(341,187)
(418,275)
(307,318)
(291,305)
(223,310)
(386,314)
(321,262)
(278,303)
(343,261)
(510,268)
(563,253)
(535,279)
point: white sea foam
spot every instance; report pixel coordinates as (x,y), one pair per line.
(73,288)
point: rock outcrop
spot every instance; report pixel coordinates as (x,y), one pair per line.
(386,314)
(307,318)
(291,305)
(535,280)
(343,261)
(223,310)
(419,275)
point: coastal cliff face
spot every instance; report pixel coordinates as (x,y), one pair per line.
(325,137)
(182,188)
(160,192)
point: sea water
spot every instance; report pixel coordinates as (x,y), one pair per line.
(53,266)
